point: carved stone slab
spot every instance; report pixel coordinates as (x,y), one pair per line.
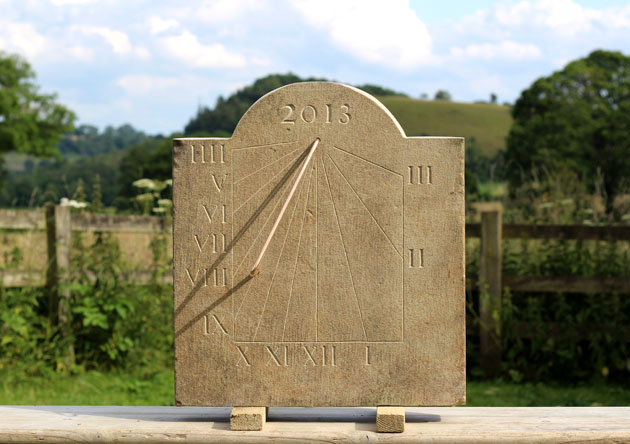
(360,296)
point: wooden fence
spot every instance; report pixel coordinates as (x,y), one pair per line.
(59,223)
(491,282)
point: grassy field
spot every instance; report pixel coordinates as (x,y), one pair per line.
(94,388)
(488,124)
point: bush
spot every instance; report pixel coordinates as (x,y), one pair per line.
(113,323)
(559,336)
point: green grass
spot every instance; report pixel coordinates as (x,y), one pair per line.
(504,394)
(89,388)
(488,124)
(95,388)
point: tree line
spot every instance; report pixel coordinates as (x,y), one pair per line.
(573,121)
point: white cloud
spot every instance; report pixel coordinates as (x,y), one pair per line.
(563,17)
(22,38)
(227,10)
(71,2)
(142,53)
(82,53)
(504,50)
(372,30)
(145,84)
(187,47)
(118,40)
(158,25)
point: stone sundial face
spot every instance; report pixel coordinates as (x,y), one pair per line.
(359,295)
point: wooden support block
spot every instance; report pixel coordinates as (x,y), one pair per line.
(248,418)
(390,419)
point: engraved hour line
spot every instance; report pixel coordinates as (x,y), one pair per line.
(266,166)
(255,269)
(251,282)
(368,161)
(308,193)
(259,233)
(263,145)
(216,155)
(367,355)
(245,257)
(288,166)
(419,254)
(364,206)
(345,251)
(278,262)
(420,178)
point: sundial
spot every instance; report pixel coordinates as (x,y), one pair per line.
(319,258)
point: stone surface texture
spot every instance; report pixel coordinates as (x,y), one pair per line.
(390,419)
(248,418)
(360,296)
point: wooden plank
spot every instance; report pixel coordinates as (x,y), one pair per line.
(35,278)
(580,232)
(19,278)
(564,284)
(568,284)
(63,239)
(390,419)
(31,219)
(71,424)
(557,329)
(490,267)
(118,223)
(567,232)
(248,418)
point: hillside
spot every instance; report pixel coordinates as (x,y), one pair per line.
(488,124)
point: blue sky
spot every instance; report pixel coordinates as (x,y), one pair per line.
(151,63)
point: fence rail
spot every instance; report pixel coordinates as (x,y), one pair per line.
(59,223)
(558,232)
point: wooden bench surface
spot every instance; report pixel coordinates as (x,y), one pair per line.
(61,424)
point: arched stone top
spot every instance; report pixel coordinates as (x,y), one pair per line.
(317,108)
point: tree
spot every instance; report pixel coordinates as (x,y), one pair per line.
(576,119)
(377,90)
(442,94)
(30,122)
(493,98)
(222,120)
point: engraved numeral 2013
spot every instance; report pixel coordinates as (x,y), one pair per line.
(311,114)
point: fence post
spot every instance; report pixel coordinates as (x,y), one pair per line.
(490,290)
(58,238)
(51,264)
